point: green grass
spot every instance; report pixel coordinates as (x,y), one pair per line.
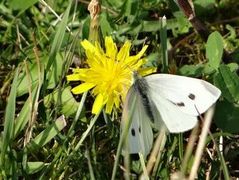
(40,42)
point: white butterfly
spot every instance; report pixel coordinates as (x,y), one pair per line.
(163,99)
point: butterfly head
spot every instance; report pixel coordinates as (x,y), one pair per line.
(136,76)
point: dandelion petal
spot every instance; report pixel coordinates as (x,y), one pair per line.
(73,77)
(124,51)
(111,49)
(98,104)
(110,104)
(82,88)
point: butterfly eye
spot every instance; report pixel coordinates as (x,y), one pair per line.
(191,96)
(133,132)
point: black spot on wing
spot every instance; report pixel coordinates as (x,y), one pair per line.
(180,104)
(191,96)
(139,129)
(133,132)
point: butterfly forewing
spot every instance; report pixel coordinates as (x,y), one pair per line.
(175,120)
(192,96)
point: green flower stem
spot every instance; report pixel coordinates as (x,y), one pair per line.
(163,38)
(79,110)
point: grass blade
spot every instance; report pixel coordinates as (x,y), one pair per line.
(45,136)
(57,42)
(8,132)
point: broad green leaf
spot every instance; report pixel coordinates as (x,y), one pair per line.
(151,26)
(22,5)
(173,23)
(191,70)
(204,8)
(48,134)
(152,60)
(204,3)
(113,3)
(226,116)
(25,80)
(105,26)
(8,132)
(52,78)
(31,105)
(25,114)
(124,29)
(228,82)
(233,67)
(56,71)
(34,167)
(214,51)
(182,24)
(135,29)
(129,8)
(64,99)
(86,28)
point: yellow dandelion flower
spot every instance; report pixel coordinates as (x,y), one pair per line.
(109,74)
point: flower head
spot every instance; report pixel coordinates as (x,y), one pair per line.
(109,74)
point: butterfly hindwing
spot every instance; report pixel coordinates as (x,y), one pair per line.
(140,135)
